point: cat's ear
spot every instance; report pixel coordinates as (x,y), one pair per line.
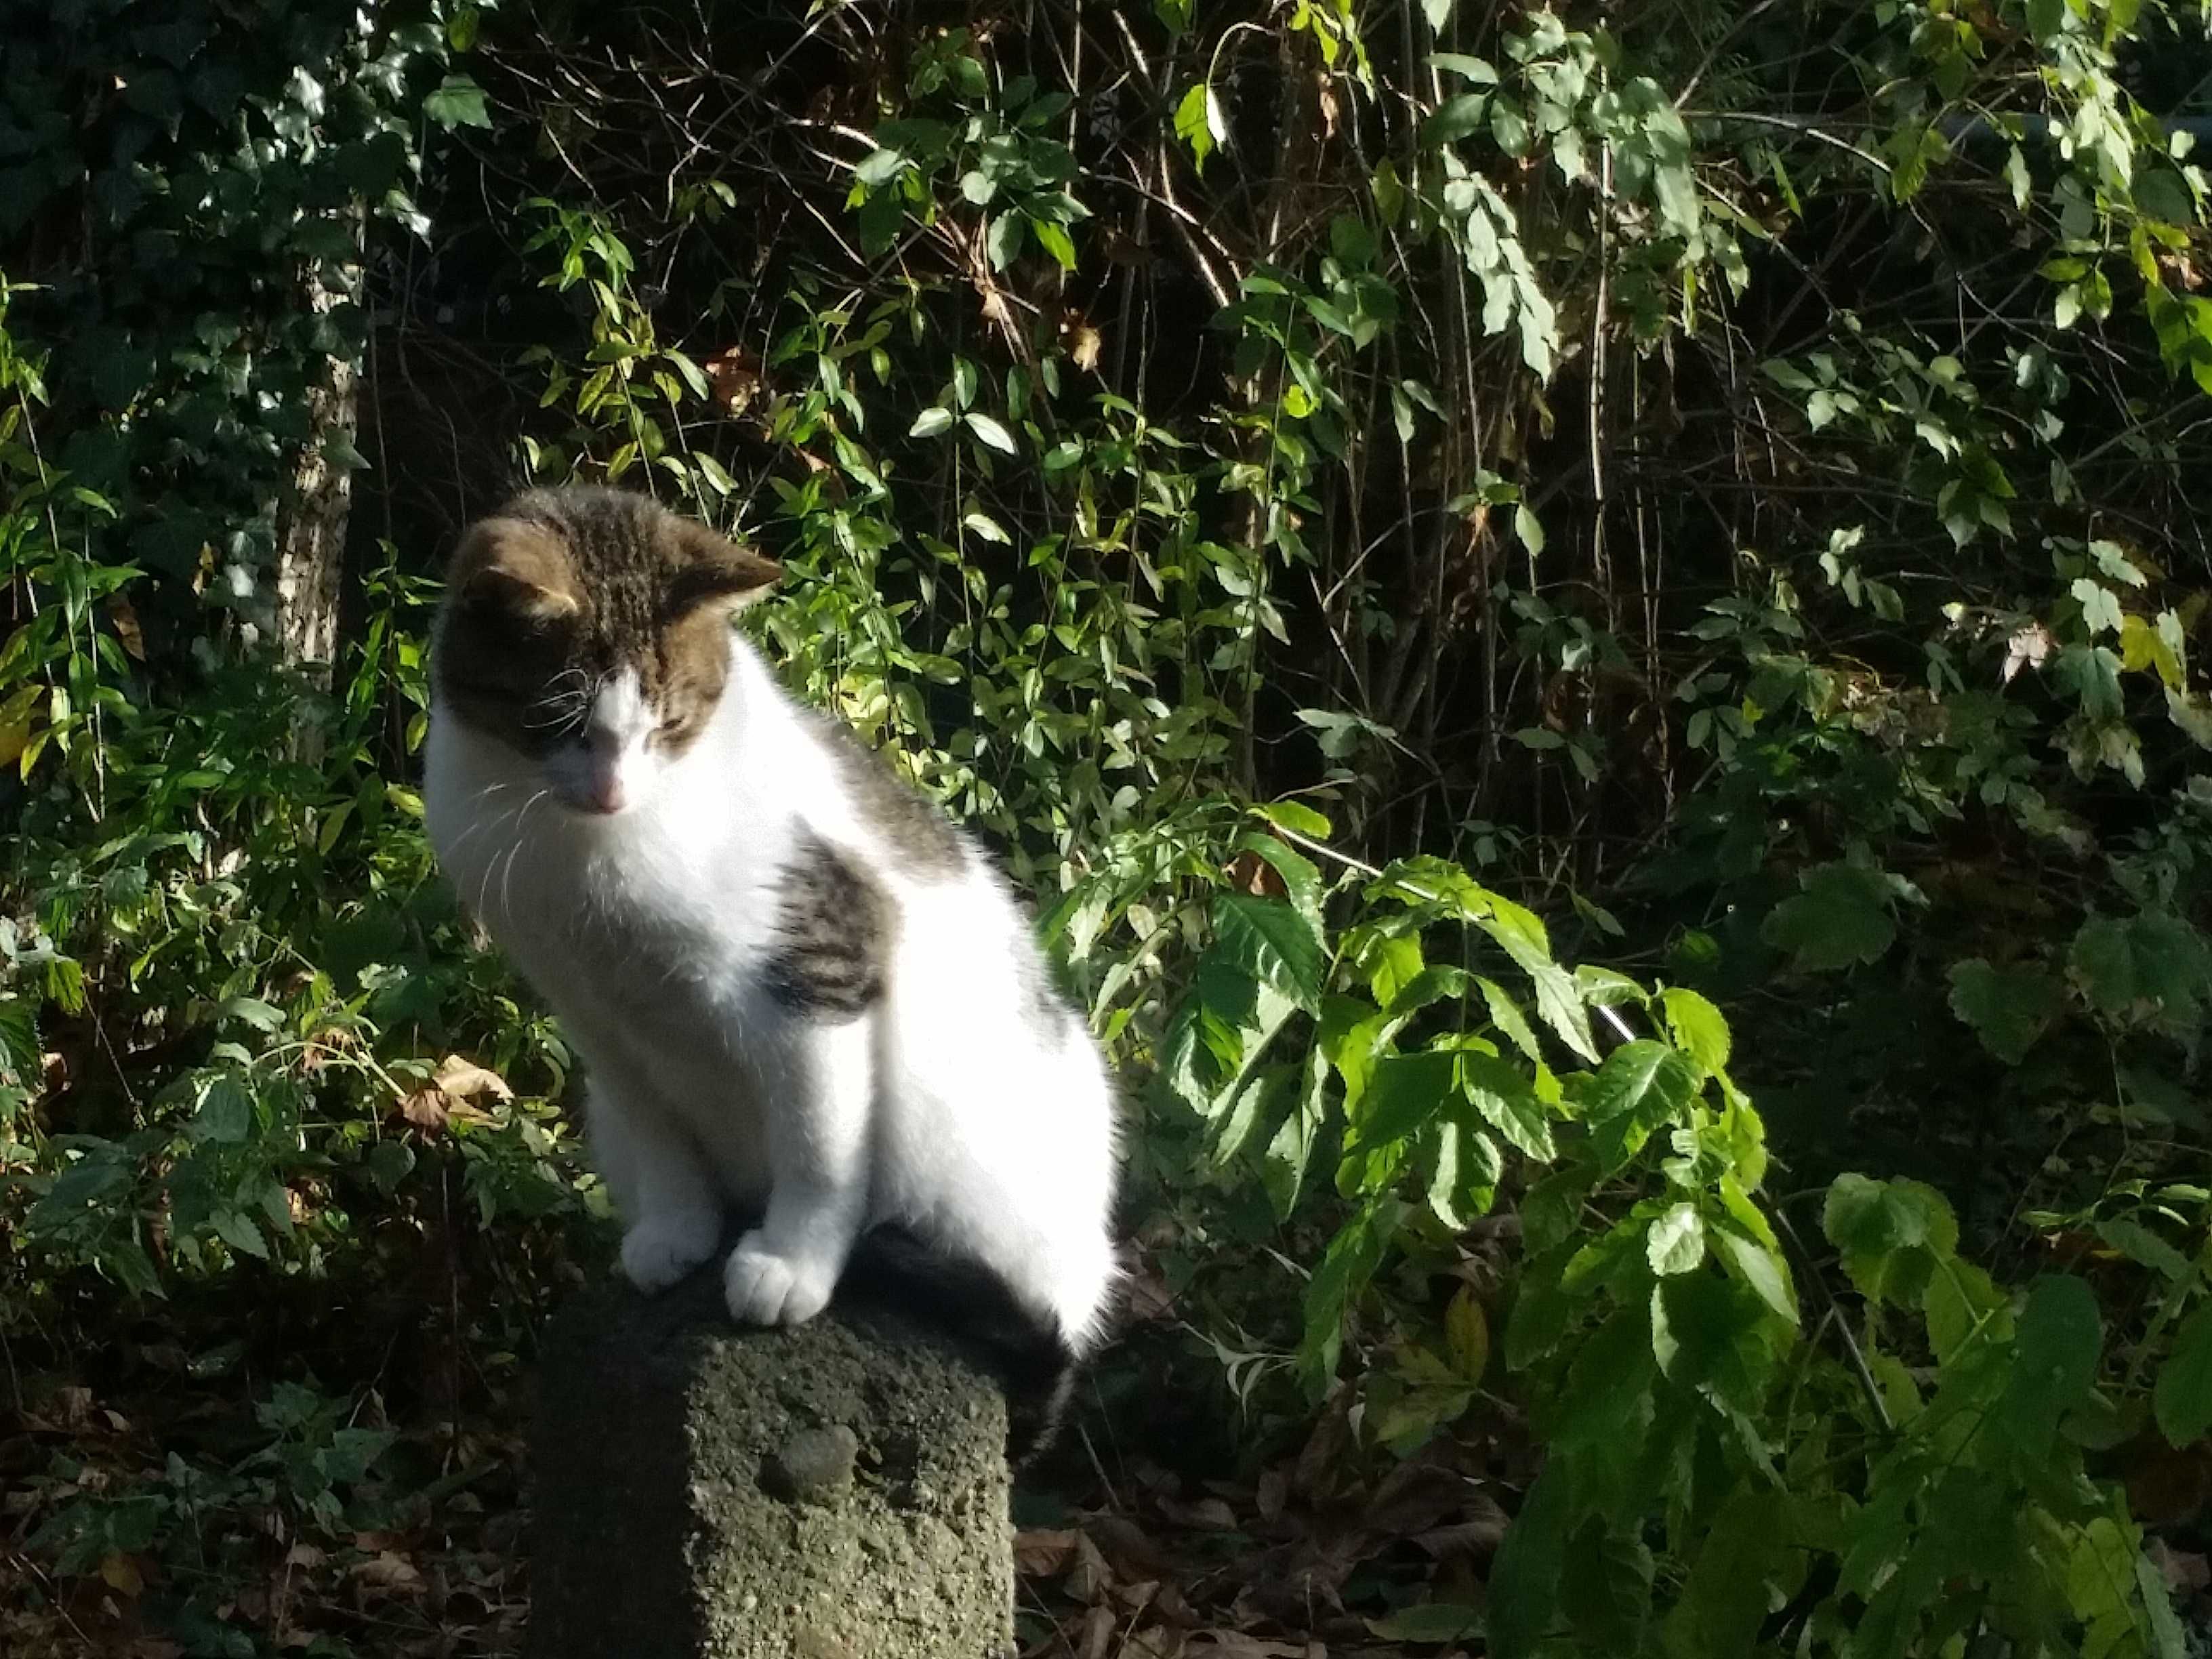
(717,574)
(514,566)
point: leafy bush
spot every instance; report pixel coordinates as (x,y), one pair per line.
(1508,579)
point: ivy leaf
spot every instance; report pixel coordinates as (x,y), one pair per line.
(1841,916)
(1676,1243)
(458,102)
(990,432)
(1273,942)
(2008,1007)
(2182,1398)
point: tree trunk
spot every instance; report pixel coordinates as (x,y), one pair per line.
(311,522)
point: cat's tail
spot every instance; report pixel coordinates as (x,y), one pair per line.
(1027,1349)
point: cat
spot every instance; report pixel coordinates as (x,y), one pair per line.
(800,994)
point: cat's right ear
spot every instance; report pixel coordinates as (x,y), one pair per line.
(717,572)
(512,566)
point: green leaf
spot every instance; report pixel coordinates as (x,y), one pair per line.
(2008,1007)
(2138,1243)
(458,102)
(1642,1086)
(931,421)
(1524,1579)
(2054,1356)
(1505,1014)
(1275,943)
(255,1012)
(1438,12)
(1004,240)
(879,168)
(1405,1092)
(1840,917)
(2144,962)
(1729,1593)
(1431,1621)
(1893,1234)
(1558,1001)
(1055,241)
(1352,1256)
(1676,1243)
(236,1229)
(1760,1266)
(1605,1586)
(990,432)
(226,1112)
(1698,1028)
(1199,123)
(1707,1334)
(1456,116)
(1283,1165)
(2182,1397)
(1508,1103)
(389,1163)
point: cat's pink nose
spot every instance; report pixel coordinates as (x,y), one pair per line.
(602,791)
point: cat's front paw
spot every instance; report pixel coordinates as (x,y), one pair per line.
(661,1248)
(764,1288)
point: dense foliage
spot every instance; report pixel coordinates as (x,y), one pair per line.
(1513,581)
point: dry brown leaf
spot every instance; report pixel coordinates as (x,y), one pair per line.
(1250,874)
(426,1108)
(1274,1490)
(1088,1575)
(387,1570)
(1235,1644)
(2181,1572)
(1207,1515)
(1042,1553)
(1099,1626)
(126,625)
(464,1079)
(304,1555)
(734,374)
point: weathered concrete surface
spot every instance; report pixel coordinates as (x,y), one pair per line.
(835,1492)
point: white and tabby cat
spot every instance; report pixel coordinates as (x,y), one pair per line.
(801,996)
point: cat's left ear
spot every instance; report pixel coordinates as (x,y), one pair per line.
(717,574)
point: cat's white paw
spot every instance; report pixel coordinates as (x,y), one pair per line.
(661,1248)
(764,1288)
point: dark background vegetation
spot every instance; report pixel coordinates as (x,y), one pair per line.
(1511,582)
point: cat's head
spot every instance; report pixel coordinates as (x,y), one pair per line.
(588,630)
